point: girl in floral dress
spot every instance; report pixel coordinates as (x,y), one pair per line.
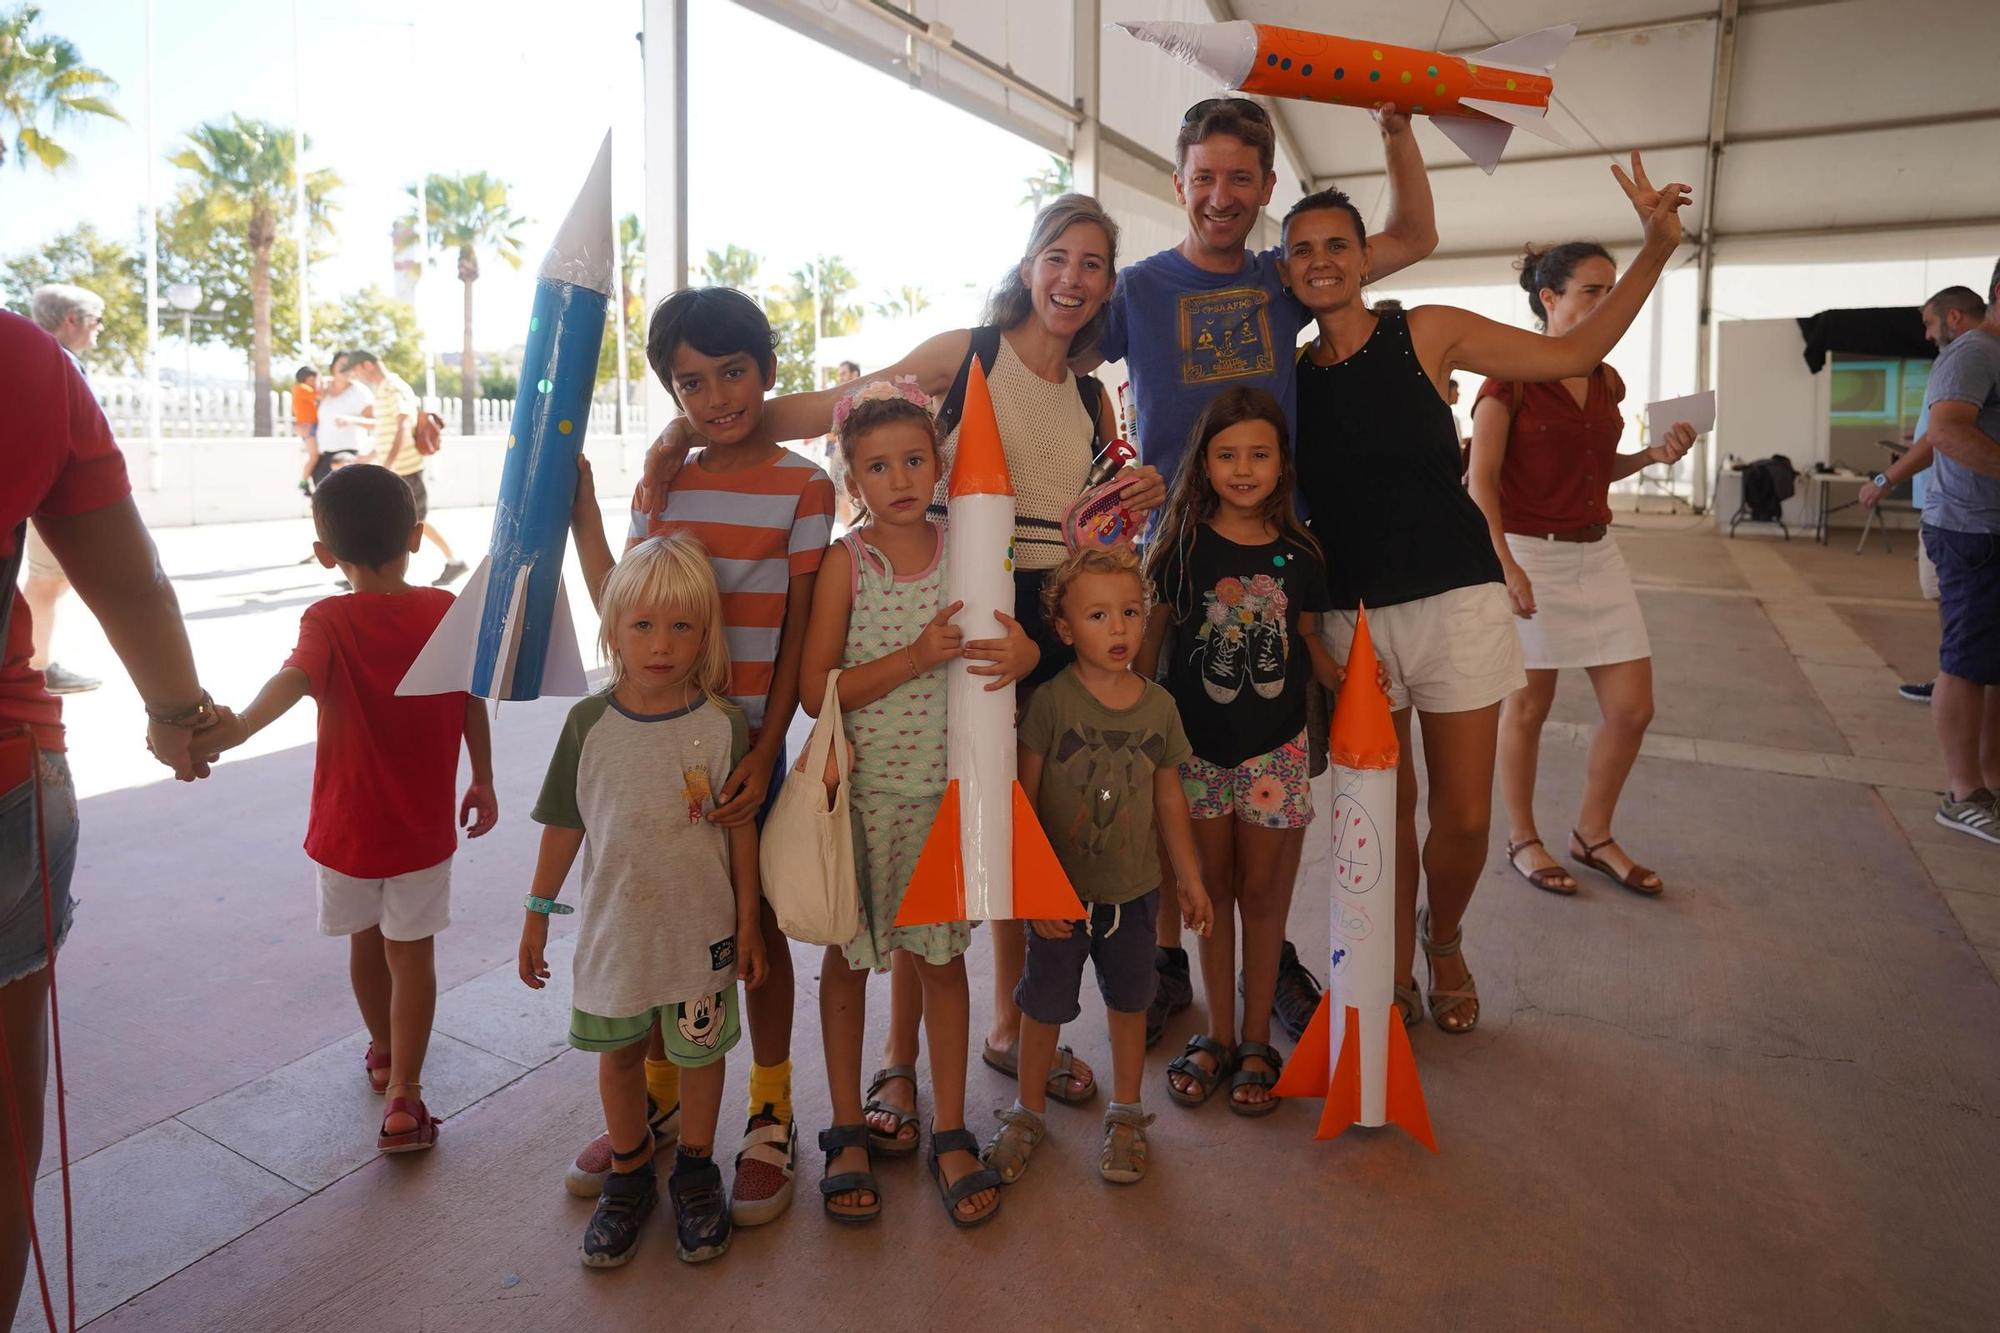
(1241,583)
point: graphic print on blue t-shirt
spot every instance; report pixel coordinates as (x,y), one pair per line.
(1225,335)
(1242,639)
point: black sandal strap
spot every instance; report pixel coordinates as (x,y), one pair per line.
(969,1184)
(839,1138)
(635,1154)
(1260,1051)
(952,1140)
(1225,1060)
(849,1182)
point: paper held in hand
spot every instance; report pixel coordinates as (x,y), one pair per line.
(1697,409)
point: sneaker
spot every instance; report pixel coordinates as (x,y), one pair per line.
(1298,993)
(453,571)
(764,1167)
(1173,991)
(59,679)
(701,1209)
(587,1174)
(627,1201)
(1978,814)
(1916,694)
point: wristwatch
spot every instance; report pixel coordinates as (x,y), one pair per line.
(1881,479)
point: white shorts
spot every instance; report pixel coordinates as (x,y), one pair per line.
(415,906)
(41,561)
(1926,572)
(1586,613)
(1450,653)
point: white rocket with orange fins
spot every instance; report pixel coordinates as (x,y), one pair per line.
(1355,1052)
(986,858)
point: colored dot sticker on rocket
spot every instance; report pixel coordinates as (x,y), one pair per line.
(1406,76)
(565,426)
(1271,60)
(1377,54)
(1510,85)
(1374,76)
(1286,63)
(534,322)
(543,386)
(1339,72)
(510,440)
(1305,71)
(1432,71)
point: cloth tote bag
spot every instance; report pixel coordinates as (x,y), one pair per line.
(806,856)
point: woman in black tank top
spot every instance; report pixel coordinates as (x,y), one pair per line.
(1378,463)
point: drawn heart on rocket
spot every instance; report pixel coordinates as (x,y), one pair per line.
(1357,850)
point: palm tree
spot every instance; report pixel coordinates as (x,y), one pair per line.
(1052,180)
(470,213)
(903,302)
(731,266)
(243,183)
(44,76)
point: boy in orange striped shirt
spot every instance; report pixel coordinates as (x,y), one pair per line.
(766,515)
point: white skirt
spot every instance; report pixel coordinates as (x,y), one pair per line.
(1586,613)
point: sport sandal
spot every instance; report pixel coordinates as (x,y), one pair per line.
(422,1135)
(1255,1078)
(1444,1002)
(971,1183)
(896,1144)
(1206,1080)
(1122,1160)
(1007,1152)
(833,1142)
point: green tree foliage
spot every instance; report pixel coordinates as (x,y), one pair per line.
(731,266)
(903,302)
(44,86)
(467,214)
(373,320)
(1052,180)
(96,262)
(815,304)
(632,273)
(233,218)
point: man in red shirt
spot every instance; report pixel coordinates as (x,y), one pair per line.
(386,769)
(63,470)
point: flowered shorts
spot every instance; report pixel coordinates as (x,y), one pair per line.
(1270,791)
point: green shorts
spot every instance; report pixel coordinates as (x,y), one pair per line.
(698,1032)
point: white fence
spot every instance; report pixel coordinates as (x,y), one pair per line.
(217,414)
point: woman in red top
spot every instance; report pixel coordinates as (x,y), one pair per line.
(1543,460)
(63,471)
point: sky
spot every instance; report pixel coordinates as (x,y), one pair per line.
(391,90)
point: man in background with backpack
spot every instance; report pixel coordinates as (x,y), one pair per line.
(397,414)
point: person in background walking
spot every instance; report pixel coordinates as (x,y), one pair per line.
(395,425)
(73,316)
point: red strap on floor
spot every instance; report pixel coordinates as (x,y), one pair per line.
(23,1166)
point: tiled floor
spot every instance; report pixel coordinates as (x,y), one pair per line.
(1769,1099)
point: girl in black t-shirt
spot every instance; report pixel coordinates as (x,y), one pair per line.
(1241,583)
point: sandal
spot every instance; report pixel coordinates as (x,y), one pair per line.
(833,1142)
(1254,1078)
(765,1161)
(1205,1079)
(1444,1002)
(422,1135)
(1007,1059)
(892,1145)
(372,1062)
(1410,1004)
(1007,1152)
(969,1184)
(1633,879)
(1122,1160)
(1549,879)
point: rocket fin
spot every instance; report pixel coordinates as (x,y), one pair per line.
(936,891)
(1343,1089)
(445,664)
(1533,53)
(562,668)
(1404,1102)
(1535,120)
(509,653)
(1042,890)
(1307,1072)
(1479,139)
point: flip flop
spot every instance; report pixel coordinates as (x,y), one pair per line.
(1007,1059)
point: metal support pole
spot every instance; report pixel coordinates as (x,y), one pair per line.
(665,40)
(1085,146)
(1718,130)
(154,463)
(300,222)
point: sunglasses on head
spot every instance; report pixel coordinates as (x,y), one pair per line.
(1242,106)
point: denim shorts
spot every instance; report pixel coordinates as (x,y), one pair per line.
(1968,579)
(1118,937)
(23,939)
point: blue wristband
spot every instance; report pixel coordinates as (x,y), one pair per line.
(547,906)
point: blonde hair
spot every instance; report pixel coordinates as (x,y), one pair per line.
(1120,559)
(667,571)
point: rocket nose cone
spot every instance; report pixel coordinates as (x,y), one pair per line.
(979,466)
(583,249)
(1364,730)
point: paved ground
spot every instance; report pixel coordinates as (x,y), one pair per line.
(1770,1099)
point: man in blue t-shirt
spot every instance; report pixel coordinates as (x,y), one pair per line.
(1210,313)
(1962,533)
(1953,311)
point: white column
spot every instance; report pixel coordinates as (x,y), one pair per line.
(300,221)
(1084,146)
(153,460)
(665,49)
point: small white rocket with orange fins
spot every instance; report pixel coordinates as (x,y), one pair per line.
(986,858)
(1355,1052)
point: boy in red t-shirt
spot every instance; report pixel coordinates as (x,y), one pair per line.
(381,828)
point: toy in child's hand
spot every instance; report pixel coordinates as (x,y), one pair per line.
(1098,517)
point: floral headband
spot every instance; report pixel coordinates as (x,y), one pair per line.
(903,388)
